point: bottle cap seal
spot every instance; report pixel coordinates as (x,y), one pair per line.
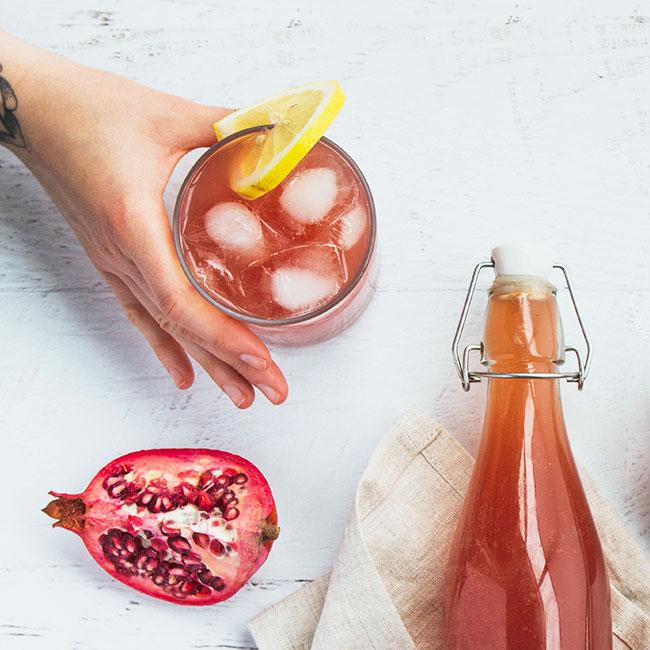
(523,259)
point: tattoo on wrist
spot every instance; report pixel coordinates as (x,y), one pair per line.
(10,131)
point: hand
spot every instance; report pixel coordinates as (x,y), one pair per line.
(104,147)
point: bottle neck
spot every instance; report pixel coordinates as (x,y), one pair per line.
(523,332)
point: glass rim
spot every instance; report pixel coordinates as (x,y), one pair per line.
(257,320)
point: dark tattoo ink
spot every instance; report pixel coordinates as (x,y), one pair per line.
(10,131)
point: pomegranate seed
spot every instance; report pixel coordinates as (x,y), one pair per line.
(167,530)
(159,579)
(240,478)
(189,587)
(230,514)
(166,504)
(179,544)
(201,539)
(111,480)
(155,504)
(144,499)
(116,488)
(218,584)
(177,570)
(227,496)
(216,547)
(217,493)
(172,580)
(120,468)
(151,564)
(177,497)
(205,502)
(114,538)
(189,491)
(204,590)
(192,561)
(205,576)
(223,481)
(159,544)
(206,480)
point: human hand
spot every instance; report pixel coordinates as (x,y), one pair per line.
(104,148)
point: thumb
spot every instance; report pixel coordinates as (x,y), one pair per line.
(199,130)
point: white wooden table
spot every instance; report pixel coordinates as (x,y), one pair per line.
(476,123)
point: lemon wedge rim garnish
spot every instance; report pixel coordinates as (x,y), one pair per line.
(300,116)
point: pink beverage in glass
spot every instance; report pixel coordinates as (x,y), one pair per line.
(295,264)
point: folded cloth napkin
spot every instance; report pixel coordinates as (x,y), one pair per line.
(386,589)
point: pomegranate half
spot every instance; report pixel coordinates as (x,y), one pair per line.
(190,526)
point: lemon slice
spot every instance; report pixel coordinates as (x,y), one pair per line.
(299,117)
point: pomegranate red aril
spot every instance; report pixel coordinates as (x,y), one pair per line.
(179,544)
(205,576)
(151,519)
(228,495)
(206,481)
(217,548)
(177,570)
(205,501)
(168,530)
(192,561)
(201,539)
(223,481)
(189,492)
(144,499)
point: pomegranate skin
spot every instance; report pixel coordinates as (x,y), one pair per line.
(188,526)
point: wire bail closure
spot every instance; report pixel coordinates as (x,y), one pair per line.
(469,377)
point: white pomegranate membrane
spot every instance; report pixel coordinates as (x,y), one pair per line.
(189,526)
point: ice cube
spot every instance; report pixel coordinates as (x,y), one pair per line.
(295,289)
(235,227)
(351,226)
(294,281)
(309,197)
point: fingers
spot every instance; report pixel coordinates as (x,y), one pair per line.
(239,390)
(236,387)
(169,351)
(188,318)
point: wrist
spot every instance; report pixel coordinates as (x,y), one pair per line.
(30,82)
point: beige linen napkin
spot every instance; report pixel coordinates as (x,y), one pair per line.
(385,591)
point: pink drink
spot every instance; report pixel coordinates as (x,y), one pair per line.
(295,263)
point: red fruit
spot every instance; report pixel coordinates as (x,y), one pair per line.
(162,542)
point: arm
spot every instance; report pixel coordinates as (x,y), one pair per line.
(104,147)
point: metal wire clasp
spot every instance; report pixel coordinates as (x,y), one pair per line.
(469,377)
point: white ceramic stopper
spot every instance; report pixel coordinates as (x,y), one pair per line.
(523,259)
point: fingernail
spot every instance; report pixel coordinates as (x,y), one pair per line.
(255,362)
(271,394)
(237,396)
(176,376)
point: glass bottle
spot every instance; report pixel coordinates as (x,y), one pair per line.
(526,569)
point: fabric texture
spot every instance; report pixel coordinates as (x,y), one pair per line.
(386,589)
